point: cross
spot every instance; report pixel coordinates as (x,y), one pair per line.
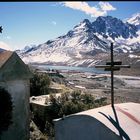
(112,66)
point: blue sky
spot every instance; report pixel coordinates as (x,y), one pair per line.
(26,23)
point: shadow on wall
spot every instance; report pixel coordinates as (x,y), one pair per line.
(6,108)
(82,127)
(116,124)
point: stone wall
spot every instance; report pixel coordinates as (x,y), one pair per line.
(39,110)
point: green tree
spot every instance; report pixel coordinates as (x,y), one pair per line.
(39,84)
(76,96)
(66,104)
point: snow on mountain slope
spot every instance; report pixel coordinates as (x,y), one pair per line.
(65,48)
(135,19)
(81,45)
(114,28)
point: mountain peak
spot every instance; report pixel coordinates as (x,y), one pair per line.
(135,19)
(84,24)
(107,18)
(113,27)
(85,21)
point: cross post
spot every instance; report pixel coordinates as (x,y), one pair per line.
(112,66)
(112,76)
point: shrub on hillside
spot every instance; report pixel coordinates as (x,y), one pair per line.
(66,104)
(39,84)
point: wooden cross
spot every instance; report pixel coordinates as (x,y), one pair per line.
(112,66)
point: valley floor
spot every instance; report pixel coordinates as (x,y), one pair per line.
(126,88)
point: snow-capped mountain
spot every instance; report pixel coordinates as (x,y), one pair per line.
(114,28)
(26,49)
(87,39)
(135,20)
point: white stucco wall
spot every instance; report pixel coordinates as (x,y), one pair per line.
(19,91)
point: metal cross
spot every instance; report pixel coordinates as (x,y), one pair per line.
(112,66)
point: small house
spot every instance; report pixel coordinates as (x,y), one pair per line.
(14,84)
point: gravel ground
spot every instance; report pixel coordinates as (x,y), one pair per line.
(126,88)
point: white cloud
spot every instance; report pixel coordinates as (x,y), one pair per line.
(106,6)
(83,6)
(4,46)
(95,11)
(53,22)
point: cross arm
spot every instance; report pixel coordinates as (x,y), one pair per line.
(114,66)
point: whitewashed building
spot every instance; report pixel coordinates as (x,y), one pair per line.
(14,78)
(104,123)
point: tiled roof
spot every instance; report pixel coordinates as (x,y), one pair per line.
(4,56)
